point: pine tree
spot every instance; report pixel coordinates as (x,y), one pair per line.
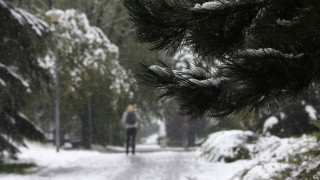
(21,43)
(267,50)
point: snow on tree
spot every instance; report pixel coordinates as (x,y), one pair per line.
(92,78)
(22,42)
(84,47)
(268,50)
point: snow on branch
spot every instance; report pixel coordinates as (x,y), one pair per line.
(288,23)
(216,5)
(268,52)
(212,82)
(210,5)
(25,18)
(27,121)
(189,77)
(2,82)
(283,22)
(11,71)
(159,70)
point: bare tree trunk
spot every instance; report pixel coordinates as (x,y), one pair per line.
(86,120)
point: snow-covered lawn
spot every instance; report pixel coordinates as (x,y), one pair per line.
(90,165)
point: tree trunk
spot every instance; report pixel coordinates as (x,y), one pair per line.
(86,120)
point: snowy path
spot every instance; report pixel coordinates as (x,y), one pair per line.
(88,165)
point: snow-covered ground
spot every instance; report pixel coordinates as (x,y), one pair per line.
(267,156)
(85,165)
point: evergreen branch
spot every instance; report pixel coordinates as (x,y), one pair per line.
(194,86)
(5,145)
(168,25)
(253,79)
(20,72)
(27,129)
(17,126)
(233,32)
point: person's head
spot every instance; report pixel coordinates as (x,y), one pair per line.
(130,107)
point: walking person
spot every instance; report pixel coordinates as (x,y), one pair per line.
(130,120)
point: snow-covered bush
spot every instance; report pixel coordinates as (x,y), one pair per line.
(228,146)
(269,156)
(264,171)
(232,145)
(297,158)
(308,169)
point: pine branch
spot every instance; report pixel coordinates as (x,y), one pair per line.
(268,72)
(27,129)
(6,146)
(194,86)
(253,79)
(17,126)
(269,50)
(168,24)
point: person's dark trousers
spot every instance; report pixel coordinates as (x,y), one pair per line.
(131,136)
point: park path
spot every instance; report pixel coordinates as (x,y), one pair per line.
(92,165)
(159,166)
